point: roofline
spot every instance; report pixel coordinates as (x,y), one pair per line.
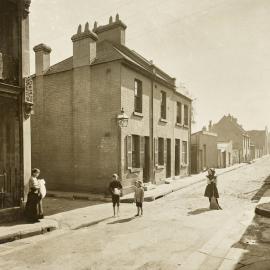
(131,65)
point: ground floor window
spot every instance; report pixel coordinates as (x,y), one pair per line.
(160,151)
(184,152)
(135,151)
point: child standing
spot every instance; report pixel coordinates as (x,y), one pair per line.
(139,197)
(115,189)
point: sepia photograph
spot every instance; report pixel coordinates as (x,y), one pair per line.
(134,135)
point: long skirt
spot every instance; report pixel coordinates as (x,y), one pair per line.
(210,190)
(32,209)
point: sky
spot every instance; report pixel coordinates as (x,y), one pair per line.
(219,50)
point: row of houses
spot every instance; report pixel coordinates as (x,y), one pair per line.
(76,139)
(226,143)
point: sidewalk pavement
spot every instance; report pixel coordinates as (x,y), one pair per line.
(235,254)
(87,216)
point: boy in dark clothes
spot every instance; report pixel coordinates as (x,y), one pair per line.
(115,190)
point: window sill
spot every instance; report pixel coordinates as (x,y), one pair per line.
(179,124)
(160,166)
(163,120)
(134,170)
(186,126)
(184,165)
(138,114)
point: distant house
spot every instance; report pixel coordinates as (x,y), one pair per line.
(225,154)
(204,152)
(259,142)
(228,129)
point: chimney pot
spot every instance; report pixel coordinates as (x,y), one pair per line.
(110,20)
(79,29)
(86,28)
(42,58)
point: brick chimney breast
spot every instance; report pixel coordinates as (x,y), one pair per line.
(114,31)
(84,46)
(42,58)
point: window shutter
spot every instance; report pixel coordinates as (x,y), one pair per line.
(129,151)
(156,150)
(165,151)
(180,154)
(142,151)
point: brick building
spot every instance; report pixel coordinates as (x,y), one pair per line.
(204,152)
(76,140)
(228,129)
(15,107)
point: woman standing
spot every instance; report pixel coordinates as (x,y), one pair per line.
(211,190)
(33,207)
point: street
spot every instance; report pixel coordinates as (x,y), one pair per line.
(176,232)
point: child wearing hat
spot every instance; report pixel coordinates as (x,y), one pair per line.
(139,197)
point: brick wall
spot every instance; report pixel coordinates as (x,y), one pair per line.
(52,129)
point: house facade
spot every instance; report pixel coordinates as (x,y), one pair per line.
(76,139)
(228,129)
(259,141)
(225,154)
(15,107)
(204,153)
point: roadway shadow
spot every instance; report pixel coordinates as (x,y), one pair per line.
(121,220)
(198,211)
(254,244)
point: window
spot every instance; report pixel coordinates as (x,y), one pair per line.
(186,115)
(179,113)
(9,42)
(184,152)
(163,105)
(135,151)
(137,96)
(160,151)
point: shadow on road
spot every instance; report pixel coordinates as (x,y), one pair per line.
(198,211)
(121,220)
(254,245)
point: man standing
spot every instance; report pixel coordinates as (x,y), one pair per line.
(115,190)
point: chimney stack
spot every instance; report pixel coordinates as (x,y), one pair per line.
(210,125)
(114,31)
(84,46)
(42,58)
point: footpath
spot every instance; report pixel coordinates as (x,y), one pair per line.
(91,215)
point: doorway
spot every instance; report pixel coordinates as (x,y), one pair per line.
(177,157)
(146,168)
(168,159)
(10,152)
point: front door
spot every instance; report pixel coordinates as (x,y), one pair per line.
(146,168)
(10,184)
(168,159)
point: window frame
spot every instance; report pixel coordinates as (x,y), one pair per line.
(186,115)
(138,96)
(178,111)
(163,105)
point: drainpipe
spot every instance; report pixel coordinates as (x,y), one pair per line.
(151,135)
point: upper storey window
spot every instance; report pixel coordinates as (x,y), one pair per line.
(9,42)
(137,96)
